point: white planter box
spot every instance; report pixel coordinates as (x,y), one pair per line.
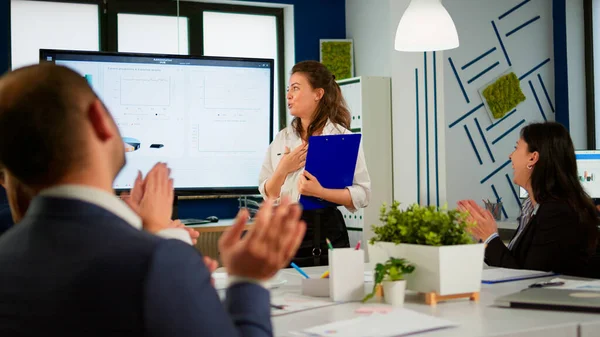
(445,270)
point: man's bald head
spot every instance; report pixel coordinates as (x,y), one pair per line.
(42,110)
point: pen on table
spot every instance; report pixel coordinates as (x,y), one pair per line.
(357,245)
(329,244)
(275,306)
(547,284)
(298,269)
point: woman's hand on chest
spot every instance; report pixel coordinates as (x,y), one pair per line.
(292,161)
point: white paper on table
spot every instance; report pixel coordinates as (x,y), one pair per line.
(292,302)
(576,285)
(398,322)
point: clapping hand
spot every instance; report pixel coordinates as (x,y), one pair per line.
(266,248)
(152,199)
(485,225)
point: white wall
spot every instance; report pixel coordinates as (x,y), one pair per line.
(372,26)
(368,24)
(576,73)
(417,96)
(528,47)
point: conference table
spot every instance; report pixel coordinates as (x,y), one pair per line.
(474,318)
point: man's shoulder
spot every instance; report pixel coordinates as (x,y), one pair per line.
(74,223)
(5,219)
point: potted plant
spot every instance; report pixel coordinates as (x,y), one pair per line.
(390,276)
(436,241)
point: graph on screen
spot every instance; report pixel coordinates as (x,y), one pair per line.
(145,91)
(588,168)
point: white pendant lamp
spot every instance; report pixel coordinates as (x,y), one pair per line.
(426,26)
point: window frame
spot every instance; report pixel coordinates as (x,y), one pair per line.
(590,105)
(109,9)
(101,23)
(194,11)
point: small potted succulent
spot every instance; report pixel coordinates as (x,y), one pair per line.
(391,276)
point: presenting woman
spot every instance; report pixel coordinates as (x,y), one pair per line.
(315,100)
(558,223)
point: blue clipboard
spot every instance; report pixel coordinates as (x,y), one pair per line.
(332,160)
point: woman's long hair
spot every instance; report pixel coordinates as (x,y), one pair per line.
(332,105)
(555,176)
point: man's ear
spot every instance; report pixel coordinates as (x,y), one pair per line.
(101,122)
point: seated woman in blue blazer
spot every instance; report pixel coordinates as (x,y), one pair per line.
(558,223)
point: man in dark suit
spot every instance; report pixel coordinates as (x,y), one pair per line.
(5,217)
(78,264)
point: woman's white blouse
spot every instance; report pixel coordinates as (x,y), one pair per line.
(360,191)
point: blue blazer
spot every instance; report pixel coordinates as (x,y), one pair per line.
(71,268)
(5,216)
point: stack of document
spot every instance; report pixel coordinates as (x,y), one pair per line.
(499,275)
(398,322)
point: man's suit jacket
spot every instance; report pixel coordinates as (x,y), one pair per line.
(6,220)
(5,216)
(553,240)
(71,268)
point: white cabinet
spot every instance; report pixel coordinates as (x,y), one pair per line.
(369,101)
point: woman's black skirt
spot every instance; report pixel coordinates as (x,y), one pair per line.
(321,224)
